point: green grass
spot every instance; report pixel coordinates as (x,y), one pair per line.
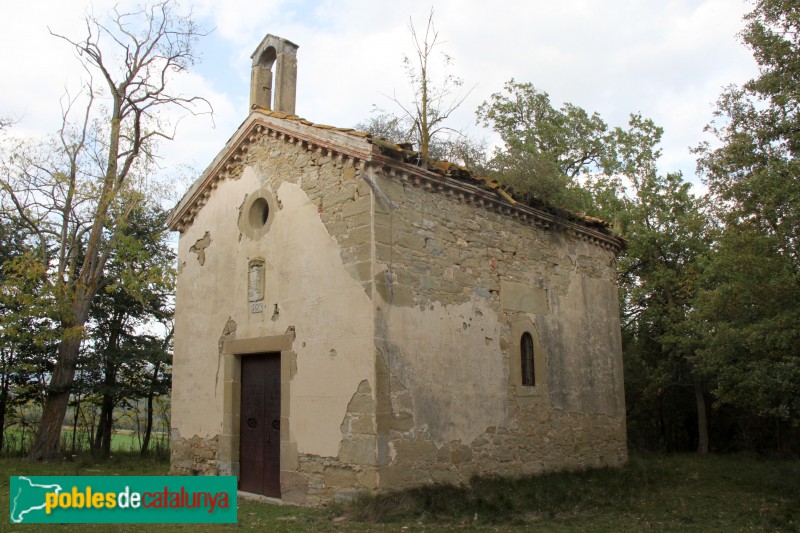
(122,440)
(659,493)
(652,493)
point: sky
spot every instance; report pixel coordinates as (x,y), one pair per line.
(666,59)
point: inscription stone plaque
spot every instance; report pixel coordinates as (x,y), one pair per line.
(255,285)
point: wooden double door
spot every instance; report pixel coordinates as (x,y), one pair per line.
(260,425)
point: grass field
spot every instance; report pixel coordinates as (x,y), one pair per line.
(122,440)
(652,493)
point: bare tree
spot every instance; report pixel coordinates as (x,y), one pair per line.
(74,193)
(432,103)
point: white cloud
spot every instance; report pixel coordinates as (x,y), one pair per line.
(668,60)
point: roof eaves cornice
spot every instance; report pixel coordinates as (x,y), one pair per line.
(361,150)
(478,195)
(339,143)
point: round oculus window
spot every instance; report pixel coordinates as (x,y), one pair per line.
(258,214)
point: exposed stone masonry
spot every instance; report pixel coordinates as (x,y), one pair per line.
(430,257)
(194,456)
(431,249)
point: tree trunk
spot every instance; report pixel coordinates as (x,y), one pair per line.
(702,418)
(150,394)
(3,404)
(107,423)
(84,285)
(75,423)
(662,427)
(91,432)
(98,435)
(2,420)
(46,444)
(105,426)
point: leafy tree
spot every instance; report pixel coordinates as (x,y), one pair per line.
(75,192)
(751,312)
(567,140)
(755,173)
(752,305)
(546,150)
(158,354)
(26,331)
(667,231)
(572,159)
(137,296)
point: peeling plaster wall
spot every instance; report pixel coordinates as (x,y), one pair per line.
(317,281)
(584,325)
(406,324)
(449,358)
(455,286)
(333,319)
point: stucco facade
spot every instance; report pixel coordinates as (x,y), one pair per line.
(396,296)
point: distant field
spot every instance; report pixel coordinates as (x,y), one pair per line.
(122,440)
(653,493)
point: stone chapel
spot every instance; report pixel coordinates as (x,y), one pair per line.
(351,317)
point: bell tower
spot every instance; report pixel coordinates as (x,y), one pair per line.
(276,91)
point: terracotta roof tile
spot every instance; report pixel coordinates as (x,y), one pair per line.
(406,153)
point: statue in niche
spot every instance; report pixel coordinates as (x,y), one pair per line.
(255,281)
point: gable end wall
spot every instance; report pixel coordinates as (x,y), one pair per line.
(317,260)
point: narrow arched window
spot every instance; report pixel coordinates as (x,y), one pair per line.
(526,353)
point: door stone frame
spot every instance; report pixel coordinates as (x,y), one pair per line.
(233,350)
